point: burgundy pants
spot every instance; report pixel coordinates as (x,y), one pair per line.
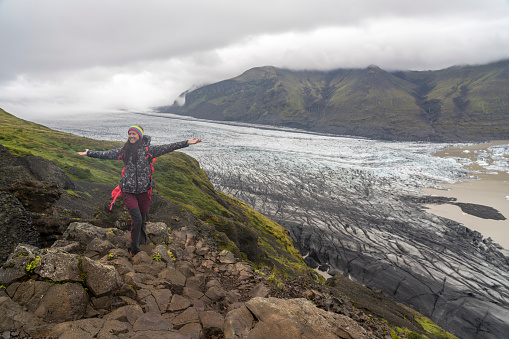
(138,205)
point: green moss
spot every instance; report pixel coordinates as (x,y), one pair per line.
(170,254)
(433,328)
(427,325)
(30,267)
(278,283)
(225,243)
(83,275)
(156,257)
(73,193)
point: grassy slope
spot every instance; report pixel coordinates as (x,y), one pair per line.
(179,179)
(473,98)
(25,138)
(374,97)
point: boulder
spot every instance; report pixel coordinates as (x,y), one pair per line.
(178,303)
(226,257)
(196,282)
(142,258)
(212,323)
(162,298)
(163,252)
(15,267)
(67,246)
(84,328)
(63,302)
(13,318)
(84,233)
(150,305)
(57,266)
(238,323)
(157,233)
(175,278)
(215,293)
(129,297)
(189,316)
(186,268)
(123,265)
(192,293)
(260,290)
(126,291)
(299,318)
(138,280)
(30,293)
(100,279)
(99,246)
(202,250)
(152,269)
(119,238)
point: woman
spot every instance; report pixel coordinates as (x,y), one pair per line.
(136,183)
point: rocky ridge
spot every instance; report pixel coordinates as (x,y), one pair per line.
(87,285)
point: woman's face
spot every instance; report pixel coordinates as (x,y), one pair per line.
(133,137)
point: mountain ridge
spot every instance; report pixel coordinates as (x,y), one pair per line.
(459,103)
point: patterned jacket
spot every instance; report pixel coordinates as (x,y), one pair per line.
(136,178)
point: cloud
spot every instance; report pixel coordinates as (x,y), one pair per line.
(63,56)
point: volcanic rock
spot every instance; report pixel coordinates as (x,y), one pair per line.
(15,225)
(181,299)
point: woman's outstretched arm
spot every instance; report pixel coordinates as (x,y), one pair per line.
(112,154)
(163,149)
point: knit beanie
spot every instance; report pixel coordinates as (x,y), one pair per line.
(137,129)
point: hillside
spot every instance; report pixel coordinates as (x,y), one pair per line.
(59,290)
(236,227)
(461,103)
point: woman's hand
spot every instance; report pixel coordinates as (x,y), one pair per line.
(83,153)
(193,141)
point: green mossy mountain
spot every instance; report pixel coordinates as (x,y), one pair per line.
(460,103)
(235,226)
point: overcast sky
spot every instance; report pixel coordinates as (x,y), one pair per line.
(87,56)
